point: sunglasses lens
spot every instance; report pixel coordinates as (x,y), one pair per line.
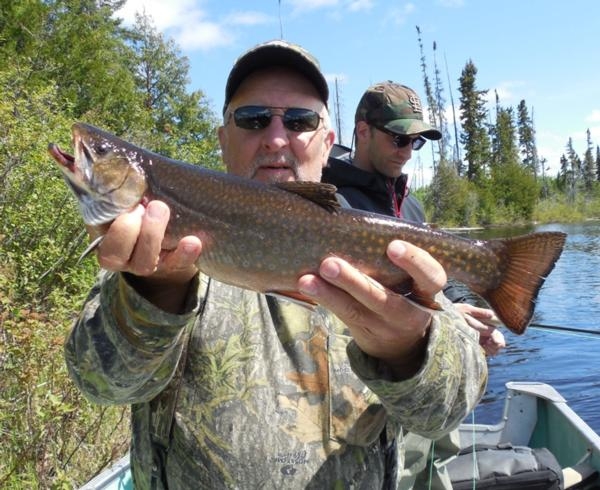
(401,140)
(252,117)
(301,120)
(259,117)
(418,143)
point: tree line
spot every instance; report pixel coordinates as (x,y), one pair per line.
(493,174)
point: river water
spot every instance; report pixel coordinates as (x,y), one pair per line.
(570,362)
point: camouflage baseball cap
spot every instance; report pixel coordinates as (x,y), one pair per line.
(276,53)
(395,108)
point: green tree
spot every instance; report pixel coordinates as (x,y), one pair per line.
(91,72)
(440,104)
(61,61)
(429,95)
(527,143)
(180,124)
(589,165)
(571,172)
(473,116)
(451,199)
(504,148)
(512,184)
(598,163)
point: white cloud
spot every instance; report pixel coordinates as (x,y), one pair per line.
(165,15)
(506,93)
(203,35)
(399,15)
(186,22)
(359,5)
(594,117)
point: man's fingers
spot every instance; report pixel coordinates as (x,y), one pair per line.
(427,273)
(144,258)
(356,285)
(181,261)
(119,242)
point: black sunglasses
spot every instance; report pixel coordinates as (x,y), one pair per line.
(402,140)
(259,117)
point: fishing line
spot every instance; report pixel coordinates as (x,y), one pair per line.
(431,456)
(578,332)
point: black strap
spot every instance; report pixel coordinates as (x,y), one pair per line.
(390,458)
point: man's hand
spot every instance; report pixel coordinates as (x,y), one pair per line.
(384,324)
(483,320)
(133,243)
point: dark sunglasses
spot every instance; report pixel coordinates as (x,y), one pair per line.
(259,117)
(402,140)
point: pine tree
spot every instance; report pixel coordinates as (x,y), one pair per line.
(513,185)
(504,148)
(588,165)
(598,163)
(527,139)
(473,117)
(429,95)
(440,104)
(573,175)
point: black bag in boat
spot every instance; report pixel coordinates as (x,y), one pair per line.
(505,467)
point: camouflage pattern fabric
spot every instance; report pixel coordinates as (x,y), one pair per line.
(394,108)
(273,395)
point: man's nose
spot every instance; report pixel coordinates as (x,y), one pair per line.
(275,135)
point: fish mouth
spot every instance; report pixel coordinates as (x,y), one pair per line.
(68,166)
(63,158)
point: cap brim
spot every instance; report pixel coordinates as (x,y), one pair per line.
(413,126)
(275,54)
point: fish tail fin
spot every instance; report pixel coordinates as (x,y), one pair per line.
(530,258)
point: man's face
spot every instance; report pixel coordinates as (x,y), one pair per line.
(381,152)
(275,153)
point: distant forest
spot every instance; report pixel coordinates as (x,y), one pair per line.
(70,60)
(492,174)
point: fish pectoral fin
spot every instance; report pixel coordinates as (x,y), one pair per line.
(319,193)
(91,247)
(294,297)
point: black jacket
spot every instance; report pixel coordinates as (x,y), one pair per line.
(371,191)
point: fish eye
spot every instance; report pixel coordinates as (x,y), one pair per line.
(102,148)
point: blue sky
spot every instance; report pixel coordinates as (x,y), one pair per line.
(545,52)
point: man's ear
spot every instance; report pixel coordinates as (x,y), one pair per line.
(328,141)
(361,130)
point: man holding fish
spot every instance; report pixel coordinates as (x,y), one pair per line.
(231,388)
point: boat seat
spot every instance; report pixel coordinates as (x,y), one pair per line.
(579,475)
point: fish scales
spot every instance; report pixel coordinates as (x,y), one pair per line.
(264,237)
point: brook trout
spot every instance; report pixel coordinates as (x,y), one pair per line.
(263,237)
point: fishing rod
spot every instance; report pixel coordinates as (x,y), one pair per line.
(583,332)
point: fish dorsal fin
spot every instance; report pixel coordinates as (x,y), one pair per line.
(319,193)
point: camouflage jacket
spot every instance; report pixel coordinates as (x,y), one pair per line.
(272,395)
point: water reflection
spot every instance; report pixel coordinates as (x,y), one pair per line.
(570,297)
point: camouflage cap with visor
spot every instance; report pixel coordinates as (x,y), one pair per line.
(276,53)
(394,108)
